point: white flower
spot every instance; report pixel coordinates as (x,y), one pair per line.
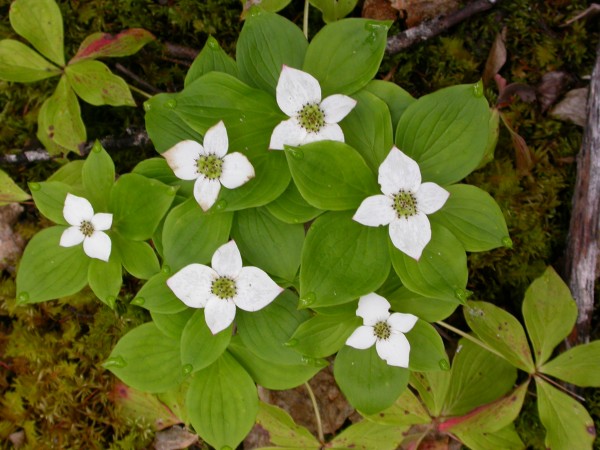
(299,96)
(209,165)
(86,227)
(404,205)
(220,289)
(383,329)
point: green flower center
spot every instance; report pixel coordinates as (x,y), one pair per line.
(311,117)
(382,330)
(211,166)
(224,288)
(405,204)
(86,228)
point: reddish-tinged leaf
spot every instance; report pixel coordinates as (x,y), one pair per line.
(496,58)
(103,45)
(523,156)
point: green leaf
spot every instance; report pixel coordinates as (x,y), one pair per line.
(49,198)
(494,127)
(322,186)
(199,347)
(98,176)
(406,410)
(368,129)
(567,423)
(506,439)
(396,98)
(578,365)
(48,271)
(426,308)
(341,260)
(40,22)
(172,325)
(267,5)
(427,350)
(282,430)
(138,205)
(156,296)
(334,9)
(446,132)
(478,377)
(96,84)
(255,230)
(158,169)
(290,207)
(368,435)
(21,64)
(222,402)
(211,58)
(9,191)
(138,258)
(69,174)
(501,331)
(549,312)
(272,375)
(344,56)
(60,126)
(432,388)
(474,218)
(441,272)
(147,360)
(192,236)
(104,45)
(491,417)
(267,42)
(266,331)
(106,278)
(323,335)
(368,383)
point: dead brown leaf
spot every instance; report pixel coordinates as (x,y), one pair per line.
(417,11)
(496,58)
(11,243)
(379,10)
(523,155)
(174,438)
(551,87)
(573,107)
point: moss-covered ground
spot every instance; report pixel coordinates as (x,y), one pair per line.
(52,385)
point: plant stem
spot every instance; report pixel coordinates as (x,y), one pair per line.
(317,413)
(139,91)
(305,21)
(559,386)
(471,338)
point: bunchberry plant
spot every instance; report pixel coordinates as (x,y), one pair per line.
(336,230)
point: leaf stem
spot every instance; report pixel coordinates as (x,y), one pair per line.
(561,387)
(139,91)
(471,338)
(305,21)
(317,413)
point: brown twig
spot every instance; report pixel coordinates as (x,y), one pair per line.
(147,86)
(582,246)
(433,27)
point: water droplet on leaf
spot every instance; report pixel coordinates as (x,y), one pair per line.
(462,295)
(147,106)
(478,89)
(23,297)
(291,343)
(296,153)
(307,300)
(139,301)
(444,364)
(187,369)
(166,269)
(221,205)
(172,103)
(35,186)
(507,242)
(116,361)
(97,148)
(212,43)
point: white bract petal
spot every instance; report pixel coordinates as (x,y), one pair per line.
(219,314)
(71,236)
(373,308)
(375,211)
(296,89)
(192,284)
(288,132)
(206,192)
(237,170)
(362,338)
(336,107)
(102,221)
(411,234)
(395,351)
(97,245)
(227,260)
(255,289)
(77,209)
(398,172)
(216,141)
(328,132)
(182,159)
(401,322)
(431,197)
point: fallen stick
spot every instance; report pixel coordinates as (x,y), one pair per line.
(583,239)
(433,27)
